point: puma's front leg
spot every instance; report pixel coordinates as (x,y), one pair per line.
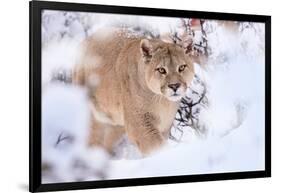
(148,143)
(144,133)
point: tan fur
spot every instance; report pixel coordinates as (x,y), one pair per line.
(128,94)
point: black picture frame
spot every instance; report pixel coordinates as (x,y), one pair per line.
(35,8)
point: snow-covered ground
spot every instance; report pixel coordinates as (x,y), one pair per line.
(233,139)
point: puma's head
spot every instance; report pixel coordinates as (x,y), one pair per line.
(168,70)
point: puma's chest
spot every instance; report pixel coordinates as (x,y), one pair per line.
(166,114)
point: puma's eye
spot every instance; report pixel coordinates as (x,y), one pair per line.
(182,67)
(161,70)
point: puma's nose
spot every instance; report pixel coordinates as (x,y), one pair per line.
(174,87)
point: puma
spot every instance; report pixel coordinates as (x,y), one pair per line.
(135,86)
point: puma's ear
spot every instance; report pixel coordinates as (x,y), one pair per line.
(146,49)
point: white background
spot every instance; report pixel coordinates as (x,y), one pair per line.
(14,95)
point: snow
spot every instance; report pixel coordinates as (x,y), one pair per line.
(234,116)
(58,56)
(66,114)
